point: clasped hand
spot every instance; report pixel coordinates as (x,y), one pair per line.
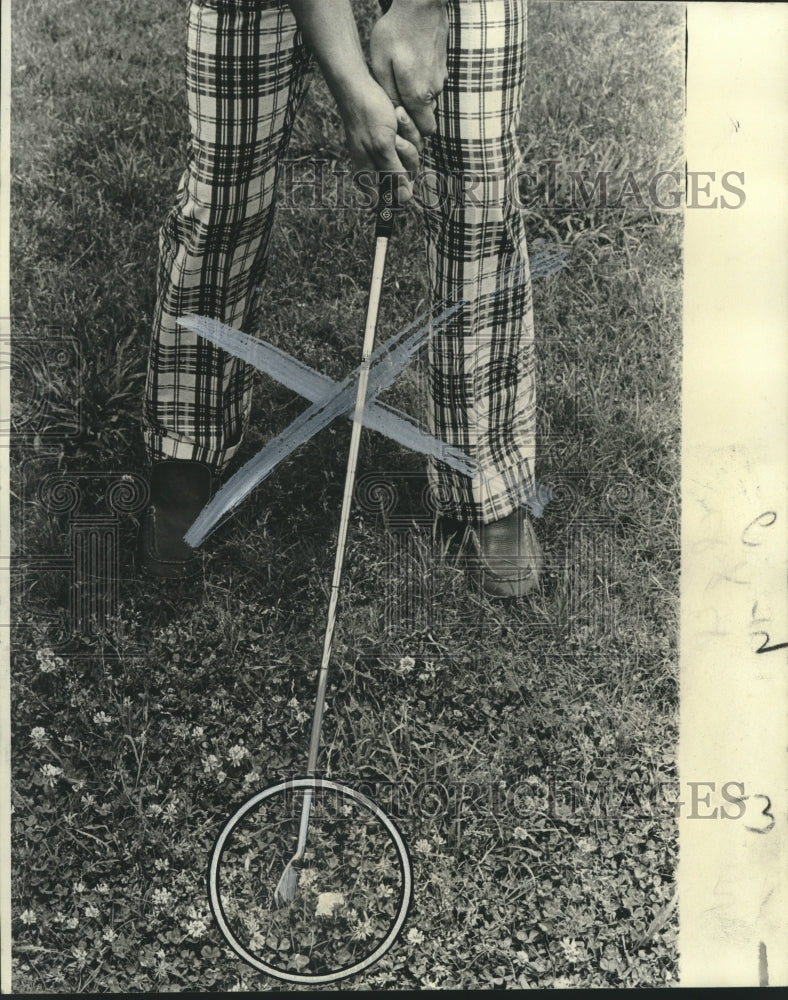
(387,122)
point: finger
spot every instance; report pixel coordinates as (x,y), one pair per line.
(402,185)
(407,129)
(404,189)
(393,154)
(425,119)
(392,164)
(384,75)
(408,154)
(421,108)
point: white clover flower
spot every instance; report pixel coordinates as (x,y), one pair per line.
(102,719)
(258,941)
(363,930)
(521,833)
(415,936)
(572,949)
(196,928)
(28,916)
(80,955)
(72,923)
(109,935)
(80,886)
(422,846)
(211,763)
(161,897)
(406,664)
(221,777)
(103,888)
(252,777)
(327,902)
(154,809)
(39,736)
(307,878)
(237,753)
(161,864)
(91,910)
(51,773)
(198,732)
(293,703)
(48,663)
(384,891)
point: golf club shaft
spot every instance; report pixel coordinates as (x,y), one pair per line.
(381,244)
(347,499)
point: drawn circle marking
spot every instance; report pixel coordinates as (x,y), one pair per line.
(316,784)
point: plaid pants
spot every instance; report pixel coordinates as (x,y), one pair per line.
(247,72)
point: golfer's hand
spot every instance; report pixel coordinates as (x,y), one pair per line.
(380,137)
(408,55)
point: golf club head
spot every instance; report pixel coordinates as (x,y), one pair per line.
(284,894)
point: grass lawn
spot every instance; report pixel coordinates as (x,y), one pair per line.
(526,752)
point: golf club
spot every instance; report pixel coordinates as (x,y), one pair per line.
(288,883)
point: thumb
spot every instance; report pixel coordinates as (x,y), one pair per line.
(421,106)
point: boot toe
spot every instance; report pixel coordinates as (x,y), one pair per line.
(510,557)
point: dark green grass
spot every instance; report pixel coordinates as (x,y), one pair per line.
(522,714)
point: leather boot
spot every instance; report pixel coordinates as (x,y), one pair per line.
(507,556)
(510,557)
(178,492)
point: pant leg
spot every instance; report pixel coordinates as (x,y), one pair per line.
(481,372)
(246,73)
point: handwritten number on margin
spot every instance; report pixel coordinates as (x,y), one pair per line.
(764,812)
(764,648)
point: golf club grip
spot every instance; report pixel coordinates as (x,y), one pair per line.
(384,215)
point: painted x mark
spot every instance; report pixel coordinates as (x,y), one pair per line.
(332,399)
(329,400)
